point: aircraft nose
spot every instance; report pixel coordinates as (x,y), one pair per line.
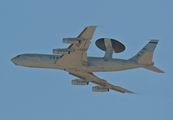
(14,60)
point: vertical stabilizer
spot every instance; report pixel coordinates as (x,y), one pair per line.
(145,55)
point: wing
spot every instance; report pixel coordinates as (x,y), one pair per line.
(78,56)
(86,35)
(90,77)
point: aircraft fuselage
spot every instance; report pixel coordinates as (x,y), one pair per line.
(95,64)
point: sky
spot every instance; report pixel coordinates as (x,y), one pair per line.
(47,94)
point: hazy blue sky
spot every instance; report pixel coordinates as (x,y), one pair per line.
(38,26)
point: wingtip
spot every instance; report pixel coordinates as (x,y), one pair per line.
(95,26)
(162,72)
(91,26)
(137,93)
(132,93)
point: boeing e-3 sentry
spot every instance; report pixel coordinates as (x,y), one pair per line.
(75,61)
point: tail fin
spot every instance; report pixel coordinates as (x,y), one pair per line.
(145,55)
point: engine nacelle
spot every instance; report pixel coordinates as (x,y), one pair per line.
(60,51)
(79,82)
(99,89)
(70,40)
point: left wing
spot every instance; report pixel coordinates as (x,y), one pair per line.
(78,56)
(90,77)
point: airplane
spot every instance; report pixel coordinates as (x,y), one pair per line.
(75,61)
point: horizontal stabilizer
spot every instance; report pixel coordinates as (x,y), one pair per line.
(153,68)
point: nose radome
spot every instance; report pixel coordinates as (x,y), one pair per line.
(14,60)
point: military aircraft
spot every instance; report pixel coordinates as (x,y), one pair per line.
(75,61)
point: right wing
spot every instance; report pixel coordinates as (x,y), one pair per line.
(86,35)
(78,56)
(90,77)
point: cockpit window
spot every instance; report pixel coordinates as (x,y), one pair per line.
(18,56)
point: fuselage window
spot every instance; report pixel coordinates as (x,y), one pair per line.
(50,57)
(53,57)
(56,57)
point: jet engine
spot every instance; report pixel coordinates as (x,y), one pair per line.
(71,40)
(61,51)
(99,89)
(79,82)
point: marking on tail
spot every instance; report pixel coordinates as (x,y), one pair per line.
(145,55)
